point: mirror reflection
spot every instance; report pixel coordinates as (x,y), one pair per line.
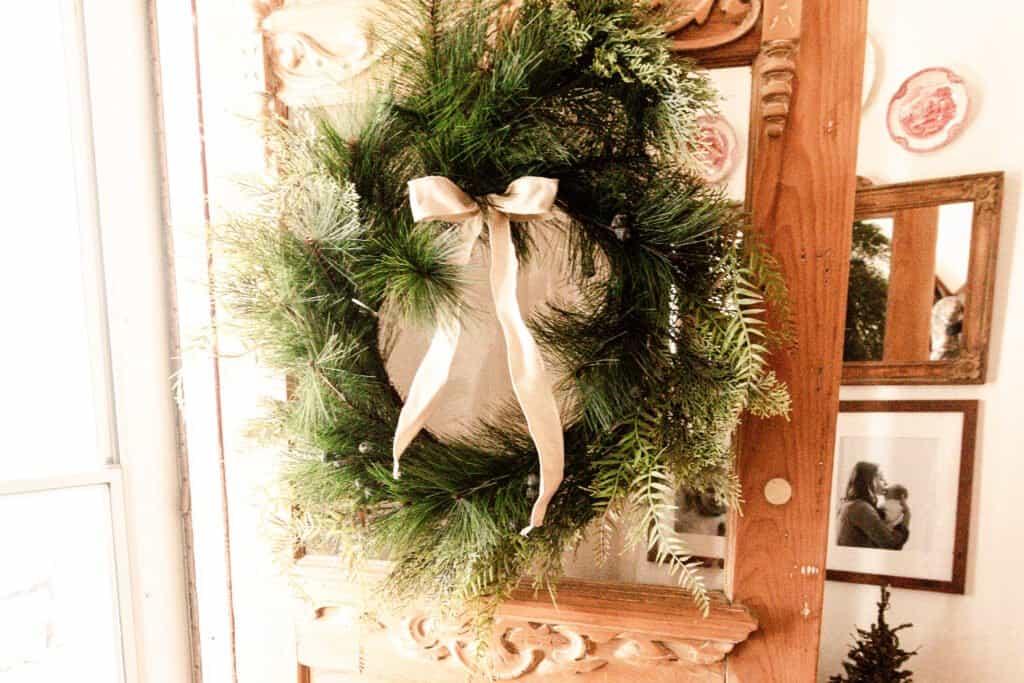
(908,279)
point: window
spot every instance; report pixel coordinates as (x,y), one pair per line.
(89,527)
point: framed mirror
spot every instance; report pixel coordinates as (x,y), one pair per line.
(922,270)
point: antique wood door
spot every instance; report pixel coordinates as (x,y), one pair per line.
(807,61)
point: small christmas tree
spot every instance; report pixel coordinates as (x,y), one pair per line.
(877,657)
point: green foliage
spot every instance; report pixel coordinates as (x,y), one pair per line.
(868,295)
(877,657)
(665,351)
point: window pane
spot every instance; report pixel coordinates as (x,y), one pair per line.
(45,356)
(58,608)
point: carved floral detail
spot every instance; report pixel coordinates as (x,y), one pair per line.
(965,368)
(986,193)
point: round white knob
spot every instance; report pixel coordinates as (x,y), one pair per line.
(778,491)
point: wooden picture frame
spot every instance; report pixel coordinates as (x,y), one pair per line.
(985,191)
(889,422)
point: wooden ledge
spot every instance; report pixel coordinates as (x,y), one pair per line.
(657,611)
(621,630)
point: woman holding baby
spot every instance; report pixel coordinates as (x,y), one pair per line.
(867,522)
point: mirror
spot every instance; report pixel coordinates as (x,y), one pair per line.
(921,274)
(698,521)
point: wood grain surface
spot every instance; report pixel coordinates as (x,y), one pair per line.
(802,199)
(908,314)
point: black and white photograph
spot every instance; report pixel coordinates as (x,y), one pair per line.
(875,508)
(901,493)
(699,519)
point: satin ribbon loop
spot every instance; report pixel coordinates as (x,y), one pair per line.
(436,198)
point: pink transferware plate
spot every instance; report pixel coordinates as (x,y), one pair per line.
(716,148)
(929,110)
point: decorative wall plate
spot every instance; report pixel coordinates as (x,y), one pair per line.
(929,110)
(716,157)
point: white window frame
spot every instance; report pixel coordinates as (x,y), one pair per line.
(127,288)
(110,478)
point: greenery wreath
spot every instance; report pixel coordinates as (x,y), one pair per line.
(664,352)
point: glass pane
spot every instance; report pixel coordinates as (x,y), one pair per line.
(908,274)
(50,421)
(730,135)
(58,607)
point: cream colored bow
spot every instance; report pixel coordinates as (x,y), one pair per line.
(437,198)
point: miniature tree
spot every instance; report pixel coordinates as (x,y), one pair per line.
(877,656)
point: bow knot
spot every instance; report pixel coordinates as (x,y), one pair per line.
(436,198)
(527,198)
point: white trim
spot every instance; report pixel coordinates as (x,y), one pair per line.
(128,178)
(12,487)
(122,574)
(110,477)
(93,286)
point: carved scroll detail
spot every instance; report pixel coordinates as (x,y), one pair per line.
(521,648)
(316,50)
(702,24)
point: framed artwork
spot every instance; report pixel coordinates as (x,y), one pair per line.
(901,493)
(699,521)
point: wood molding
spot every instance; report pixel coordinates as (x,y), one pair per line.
(776,69)
(985,190)
(801,198)
(776,65)
(625,632)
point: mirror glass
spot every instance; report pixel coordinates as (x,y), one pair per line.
(698,519)
(908,277)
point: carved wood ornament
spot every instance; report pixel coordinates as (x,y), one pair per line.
(776,66)
(317,51)
(703,24)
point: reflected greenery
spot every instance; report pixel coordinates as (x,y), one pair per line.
(869,289)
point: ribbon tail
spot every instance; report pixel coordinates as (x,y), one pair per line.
(526,366)
(430,378)
(432,373)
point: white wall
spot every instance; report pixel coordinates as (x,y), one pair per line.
(978,636)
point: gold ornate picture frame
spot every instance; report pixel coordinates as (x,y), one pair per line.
(985,191)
